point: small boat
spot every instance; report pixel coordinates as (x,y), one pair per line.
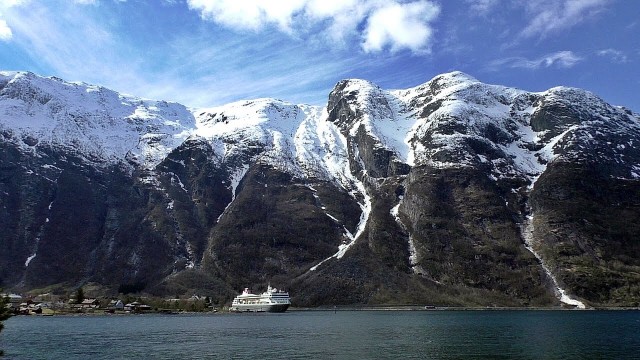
(272,300)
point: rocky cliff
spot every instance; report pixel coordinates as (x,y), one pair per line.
(453,192)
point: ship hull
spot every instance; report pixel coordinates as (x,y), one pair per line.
(273,308)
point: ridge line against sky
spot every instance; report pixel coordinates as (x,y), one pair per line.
(210,52)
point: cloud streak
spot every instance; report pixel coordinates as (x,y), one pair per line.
(71,47)
(392,24)
(481,7)
(560,59)
(197,69)
(616,56)
(229,71)
(553,16)
(208,52)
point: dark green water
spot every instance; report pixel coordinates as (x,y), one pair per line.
(329,335)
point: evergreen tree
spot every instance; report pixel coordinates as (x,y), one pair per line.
(79,295)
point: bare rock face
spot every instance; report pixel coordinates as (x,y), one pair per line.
(348,105)
(454,192)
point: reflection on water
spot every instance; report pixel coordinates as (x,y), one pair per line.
(329,335)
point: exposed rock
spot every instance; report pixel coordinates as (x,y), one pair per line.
(383,197)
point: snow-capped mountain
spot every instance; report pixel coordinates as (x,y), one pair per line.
(93,121)
(452,192)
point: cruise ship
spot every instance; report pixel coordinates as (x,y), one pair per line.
(272,300)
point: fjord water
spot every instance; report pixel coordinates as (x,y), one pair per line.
(329,335)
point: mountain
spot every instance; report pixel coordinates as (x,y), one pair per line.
(454,192)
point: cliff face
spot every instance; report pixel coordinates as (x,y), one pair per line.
(453,192)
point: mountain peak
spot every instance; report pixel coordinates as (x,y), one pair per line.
(439,184)
(453,77)
(10,74)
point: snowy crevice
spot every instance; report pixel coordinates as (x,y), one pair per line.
(532,166)
(384,121)
(191,255)
(32,256)
(235,181)
(358,190)
(365,206)
(413,252)
(180,240)
(324,208)
(40,233)
(527,235)
(175,179)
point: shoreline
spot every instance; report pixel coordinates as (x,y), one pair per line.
(455,308)
(345,308)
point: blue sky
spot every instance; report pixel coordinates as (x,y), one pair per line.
(211,52)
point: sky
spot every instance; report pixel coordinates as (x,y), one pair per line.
(205,53)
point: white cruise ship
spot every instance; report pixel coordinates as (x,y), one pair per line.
(272,300)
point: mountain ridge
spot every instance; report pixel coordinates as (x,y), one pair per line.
(445,187)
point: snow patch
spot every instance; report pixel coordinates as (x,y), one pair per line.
(191,255)
(332,217)
(176,179)
(413,252)
(26,263)
(385,117)
(235,181)
(262,129)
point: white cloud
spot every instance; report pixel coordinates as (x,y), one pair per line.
(552,16)
(400,26)
(10,3)
(248,14)
(560,59)
(481,7)
(70,42)
(5,31)
(397,24)
(616,56)
(341,18)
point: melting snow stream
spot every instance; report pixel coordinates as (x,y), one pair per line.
(527,234)
(365,205)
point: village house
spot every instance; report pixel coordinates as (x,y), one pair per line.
(137,307)
(14,300)
(196,298)
(116,305)
(90,304)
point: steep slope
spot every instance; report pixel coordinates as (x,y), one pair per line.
(472,195)
(410,203)
(453,192)
(584,206)
(291,191)
(79,195)
(131,193)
